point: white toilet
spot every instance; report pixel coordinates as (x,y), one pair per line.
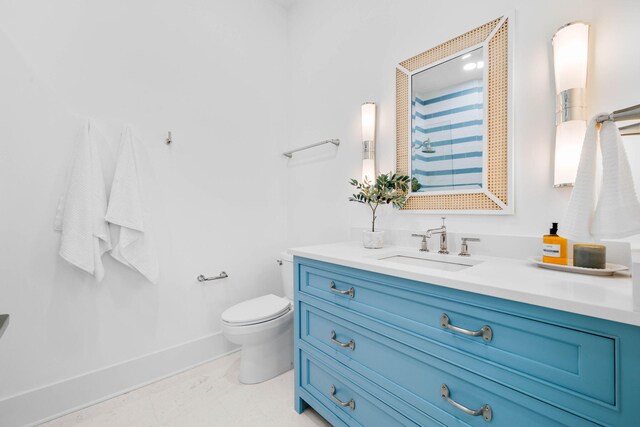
(263,326)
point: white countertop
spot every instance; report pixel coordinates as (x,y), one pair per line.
(608,297)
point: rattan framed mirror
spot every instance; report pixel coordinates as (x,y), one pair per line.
(454,123)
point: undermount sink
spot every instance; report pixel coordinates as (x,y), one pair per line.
(439,264)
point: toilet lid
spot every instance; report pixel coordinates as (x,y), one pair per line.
(256,310)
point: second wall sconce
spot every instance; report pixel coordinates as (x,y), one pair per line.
(368,141)
(570,58)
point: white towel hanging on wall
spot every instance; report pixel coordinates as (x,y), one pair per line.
(128,209)
(615,213)
(577,220)
(83,205)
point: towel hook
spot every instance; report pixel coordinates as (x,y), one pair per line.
(168,140)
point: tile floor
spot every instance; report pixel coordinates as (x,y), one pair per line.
(208,395)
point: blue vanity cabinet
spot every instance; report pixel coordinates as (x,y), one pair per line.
(401,346)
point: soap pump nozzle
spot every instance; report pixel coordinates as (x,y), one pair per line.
(554,229)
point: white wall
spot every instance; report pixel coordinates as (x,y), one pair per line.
(344,53)
(237,83)
(211,72)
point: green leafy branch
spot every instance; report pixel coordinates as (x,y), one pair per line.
(387,189)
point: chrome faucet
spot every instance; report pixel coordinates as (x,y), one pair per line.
(442,230)
(423,243)
(464,247)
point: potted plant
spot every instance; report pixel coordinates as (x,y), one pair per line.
(387,189)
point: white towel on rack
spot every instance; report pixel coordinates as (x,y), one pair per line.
(617,213)
(128,209)
(82,207)
(577,220)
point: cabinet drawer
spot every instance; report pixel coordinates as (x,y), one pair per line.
(553,356)
(418,378)
(347,401)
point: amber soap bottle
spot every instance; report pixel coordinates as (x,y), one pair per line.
(554,247)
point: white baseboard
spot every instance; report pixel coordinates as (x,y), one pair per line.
(54,400)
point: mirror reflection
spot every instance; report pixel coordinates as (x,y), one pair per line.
(447,131)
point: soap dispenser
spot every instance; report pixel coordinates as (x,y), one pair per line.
(554,247)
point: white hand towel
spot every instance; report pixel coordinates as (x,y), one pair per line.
(82,207)
(127,208)
(577,220)
(617,213)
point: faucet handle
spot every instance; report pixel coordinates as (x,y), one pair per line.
(423,243)
(464,247)
(443,218)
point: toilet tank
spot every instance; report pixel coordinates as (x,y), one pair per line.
(286,271)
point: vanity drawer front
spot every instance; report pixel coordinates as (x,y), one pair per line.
(551,355)
(350,403)
(417,378)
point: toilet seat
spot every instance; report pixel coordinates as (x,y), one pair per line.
(256,310)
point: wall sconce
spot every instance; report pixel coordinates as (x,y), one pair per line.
(369,141)
(570,58)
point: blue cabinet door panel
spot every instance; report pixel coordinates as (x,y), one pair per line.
(419,376)
(326,385)
(578,361)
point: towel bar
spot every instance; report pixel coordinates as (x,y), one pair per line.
(289,154)
(633,129)
(630,113)
(222,275)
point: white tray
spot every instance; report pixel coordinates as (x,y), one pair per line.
(608,271)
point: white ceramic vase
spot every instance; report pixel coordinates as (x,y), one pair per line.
(373,239)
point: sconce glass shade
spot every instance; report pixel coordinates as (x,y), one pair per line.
(368,121)
(369,170)
(569,139)
(570,57)
(368,141)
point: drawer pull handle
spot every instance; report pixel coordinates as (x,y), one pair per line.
(351,344)
(485,410)
(485,332)
(350,404)
(351,292)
